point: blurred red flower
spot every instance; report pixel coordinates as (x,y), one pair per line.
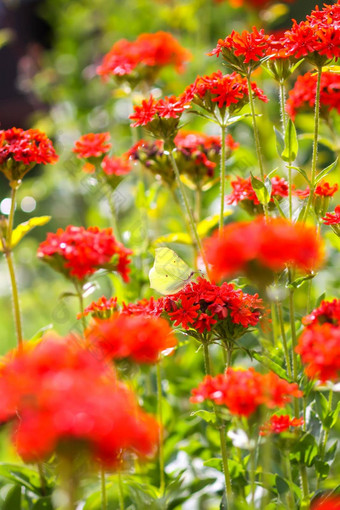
(92,145)
(48,404)
(319,348)
(326,503)
(278,424)
(141,339)
(243,391)
(148,50)
(245,246)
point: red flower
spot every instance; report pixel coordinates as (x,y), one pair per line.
(228,91)
(271,245)
(243,391)
(326,503)
(302,95)
(139,338)
(21,150)
(278,424)
(79,252)
(319,347)
(166,108)
(48,405)
(204,306)
(147,51)
(326,190)
(103,308)
(332,218)
(116,166)
(243,191)
(245,48)
(92,145)
(327,312)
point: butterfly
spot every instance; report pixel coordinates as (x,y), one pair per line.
(169,273)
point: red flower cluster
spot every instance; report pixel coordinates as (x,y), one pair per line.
(319,348)
(246,48)
(48,404)
(302,95)
(281,423)
(255,247)
(316,37)
(147,51)
(332,218)
(326,503)
(92,145)
(21,150)
(244,194)
(319,344)
(141,339)
(79,252)
(103,308)
(227,91)
(203,306)
(244,391)
(327,312)
(167,108)
(116,166)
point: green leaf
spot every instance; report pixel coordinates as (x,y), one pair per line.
(300,281)
(13,499)
(21,230)
(320,298)
(290,143)
(23,475)
(204,226)
(302,172)
(267,362)
(281,484)
(261,189)
(305,450)
(214,463)
(279,208)
(321,406)
(169,273)
(280,142)
(326,171)
(330,454)
(208,416)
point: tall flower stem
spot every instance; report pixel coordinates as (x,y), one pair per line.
(79,292)
(324,435)
(315,142)
(284,338)
(221,427)
(120,491)
(103,489)
(257,138)
(161,431)
(7,247)
(290,493)
(294,344)
(222,176)
(188,210)
(289,165)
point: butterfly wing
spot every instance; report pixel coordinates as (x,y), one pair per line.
(169,273)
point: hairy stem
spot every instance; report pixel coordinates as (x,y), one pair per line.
(222,176)
(161,431)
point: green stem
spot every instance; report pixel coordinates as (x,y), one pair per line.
(79,292)
(294,343)
(290,493)
(7,247)
(315,142)
(198,204)
(188,210)
(304,482)
(284,338)
(120,491)
(289,165)
(221,426)
(252,476)
(274,324)
(257,138)
(103,489)
(161,431)
(222,176)
(68,483)
(43,485)
(113,214)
